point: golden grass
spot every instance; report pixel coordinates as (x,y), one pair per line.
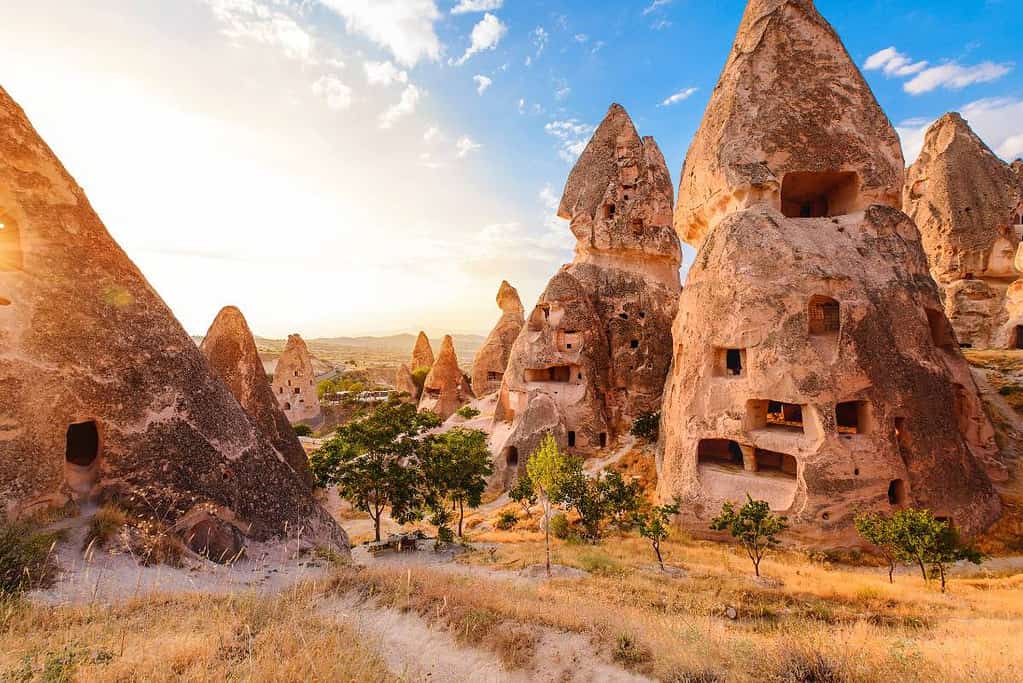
(193,638)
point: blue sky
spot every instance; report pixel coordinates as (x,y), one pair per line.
(371,166)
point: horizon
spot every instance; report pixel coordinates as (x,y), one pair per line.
(413,152)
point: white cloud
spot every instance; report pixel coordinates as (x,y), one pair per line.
(337,94)
(384,73)
(582,38)
(468,6)
(522,106)
(482,83)
(655,5)
(404,27)
(259,22)
(924,78)
(540,39)
(680,96)
(953,76)
(432,135)
(572,136)
(465,146)
(997,120)
(562,92)
(661,24)
(485,36)
(406,105)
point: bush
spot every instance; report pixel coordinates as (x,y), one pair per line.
(26,560)
(647,426)
(419,378)
(560,526)
(105,524)
(506,520)
(467,412)
(303,430)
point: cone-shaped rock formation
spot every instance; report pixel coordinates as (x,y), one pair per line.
(106,397)
(446,388)
(422,354)
(231,351)
(491,360)
(598,343)
(967,203)
(294,383)
(814,367)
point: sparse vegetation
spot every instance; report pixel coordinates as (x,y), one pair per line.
(419,378)
(303,430)
(753,526)
(507,520)
(467,413)
(26,559)
(550,471)
(523,493)
(105,524)
(654,524)
(647,427)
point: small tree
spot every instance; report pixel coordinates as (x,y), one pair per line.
(622,499)
(456,469)
(303,430)
(753,526)
(948,549)
(419,379)
(880,532)
(467,412)
(654,524)
(930,543)
(582,493)
(523,493)
(647,426)
(549,470)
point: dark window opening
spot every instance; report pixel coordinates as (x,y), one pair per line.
(433,393)
(495,376)
(571,439)
(4,302)
(560,374)
(511,456)
(1019,337)
(941,330)
(609,211)
(819,195)
(634,344)
(769,461)
(10,244)
(825,315)
(733,362)
(287,406)
(82,446)
(623,316)
(969,276)
(540,315)
(298,390)
(853,417)
(580,375)
(784,415)
(603,440)
(897,492)
(966,346)
(719,452)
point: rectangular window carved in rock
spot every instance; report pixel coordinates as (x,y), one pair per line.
(730,362)
(854,417)
(819,195)
(775,415)
(825,315)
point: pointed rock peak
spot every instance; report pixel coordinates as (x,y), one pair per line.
(422,354)
(447,351)
(508,299)
(953,130)
(296,343)
(791,124)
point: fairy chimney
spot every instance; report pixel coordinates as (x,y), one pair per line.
(814,366)
(491,360)
(294,383)
(231,351)
(968,205)
(422,354)
(598,343)
(404,382)
(106,397)
(446,388)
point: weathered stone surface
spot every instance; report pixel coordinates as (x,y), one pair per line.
(446,388)
(294,383)
(216,539)
(231,351)
(105,395)
(598,343)
(422,354)
(967,204)
(404,383)
(491,360)
(814,367)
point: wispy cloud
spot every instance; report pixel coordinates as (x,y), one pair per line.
(260,22)
(337,95)
(654,6)
(572,136)
(540,39)
(468,6)
(924,78)
(485,36)
(482,83)
(384,73)
(403,27)
(680,96)
(406,105)
(661,24)
(465,146)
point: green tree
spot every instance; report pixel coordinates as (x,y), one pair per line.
(467,412)
(654,524)
(753,526)
(549,469)
(583,494)
(879,531)
(647,426)
(374,462)
(622,499)
(948,549)
(303,430)
(456,468)
(523,493)
(929,543)
(419,378)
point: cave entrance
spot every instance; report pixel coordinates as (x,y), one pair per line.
(511,456)
(1019,337)
(897,492)
(81,456)
(719,452)
(769,461)
(825,315)
(819,195)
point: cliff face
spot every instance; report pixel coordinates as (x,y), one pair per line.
(107,398)
(814,367)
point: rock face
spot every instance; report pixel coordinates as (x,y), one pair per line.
(598,344)
(422,354)
(231,351)
(106,397)
(492,358)
(446,388)
(814,367)
(294,383)
(968,204)
(404,383)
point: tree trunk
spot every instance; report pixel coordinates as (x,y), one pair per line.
(891,572)
(547,529)
(461,516)
(923,570)
(657,549)
(941,573)
(376,527)
(756,567)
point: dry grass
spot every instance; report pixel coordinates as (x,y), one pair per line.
(183,639)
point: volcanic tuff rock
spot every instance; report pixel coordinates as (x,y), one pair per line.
(106,397)
(967,203)
(231,351)
(446,388)
(422,354)
(598,343)
(814,367)
(294,383)
(404,382)
(492,358)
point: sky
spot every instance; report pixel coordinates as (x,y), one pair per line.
(357,167)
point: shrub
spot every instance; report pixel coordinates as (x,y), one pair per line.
(26,560)
(629,652)
(419,378)
(303,430)
(647,426)
(559,526)
(467,412)
(105,524)
(506,520)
